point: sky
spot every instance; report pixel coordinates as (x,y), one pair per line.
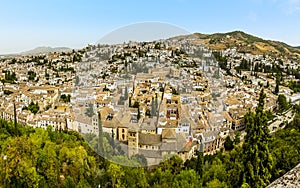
(26,24)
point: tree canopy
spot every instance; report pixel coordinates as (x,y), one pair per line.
(46,158)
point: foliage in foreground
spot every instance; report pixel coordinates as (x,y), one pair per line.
(46,158)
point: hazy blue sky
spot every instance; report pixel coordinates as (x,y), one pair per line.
(26,24)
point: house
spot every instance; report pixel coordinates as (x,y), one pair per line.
(189,150)
(210,140)
(149,146)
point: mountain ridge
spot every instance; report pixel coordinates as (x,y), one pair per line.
(248,43)
(45,49)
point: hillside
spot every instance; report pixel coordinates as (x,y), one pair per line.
(44,49)
(247,43)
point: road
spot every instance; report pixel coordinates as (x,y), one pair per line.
(285,118)
(274,126)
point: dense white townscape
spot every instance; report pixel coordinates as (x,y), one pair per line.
(156,98)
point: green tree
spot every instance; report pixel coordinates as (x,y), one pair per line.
(237,138)
(69,182)
(199,164)
(33,107)
(45,158)
(129,101)
(126,93)
(258,161)
(31,75)
(216,184)
(65,98)
(277,84)
(135,177)
(138,113)
(215,170)
(187,178)
(155,105)
(233,167)
(161,178)
(48,164)
(282,103)
(174,164)
(228,145)
(285,147)
(100,144)
(20,163)
(116,174)
(152,107)
(136,104)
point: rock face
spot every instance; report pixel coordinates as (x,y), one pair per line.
(289,180)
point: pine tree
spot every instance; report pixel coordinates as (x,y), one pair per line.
(257,158)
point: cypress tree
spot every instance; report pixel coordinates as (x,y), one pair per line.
(199,164)
(129,102)
(277,84)
(257,158)
(155,105)
(15,120)
(152,107)
(100,136)
(139,113)
(126,93)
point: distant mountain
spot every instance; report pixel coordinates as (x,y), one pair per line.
(144,31)
(44,49)
(247,43)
